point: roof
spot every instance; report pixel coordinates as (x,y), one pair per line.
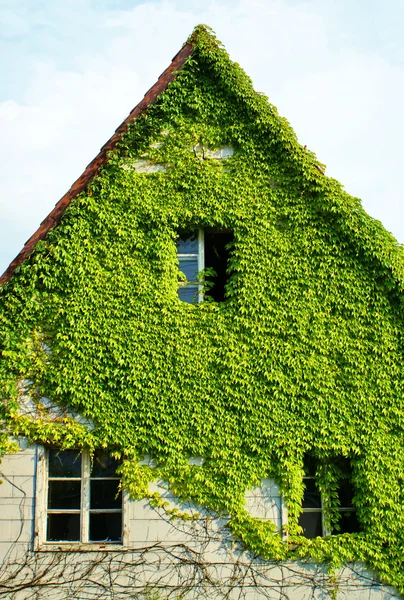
(80,184)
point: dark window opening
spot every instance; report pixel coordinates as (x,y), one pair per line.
(217,252)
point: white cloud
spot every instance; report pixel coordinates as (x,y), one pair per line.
(47,143)
(57,135)
(14,23)
(343,98)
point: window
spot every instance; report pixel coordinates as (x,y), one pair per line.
(348,522)
(207,251)
(312,517)
(83,499)
(190,254)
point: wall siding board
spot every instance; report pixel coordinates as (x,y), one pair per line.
(160,550)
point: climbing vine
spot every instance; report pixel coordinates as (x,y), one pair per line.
(304,354)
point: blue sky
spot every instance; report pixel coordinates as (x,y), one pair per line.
(72,70)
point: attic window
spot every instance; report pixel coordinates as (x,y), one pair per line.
(203,257)
(312,517)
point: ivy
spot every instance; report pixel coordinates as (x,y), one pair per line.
(304,355)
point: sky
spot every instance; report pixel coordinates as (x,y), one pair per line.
(72,70)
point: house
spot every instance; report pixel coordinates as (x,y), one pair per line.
(202,366)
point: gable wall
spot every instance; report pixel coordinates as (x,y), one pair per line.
(306,353)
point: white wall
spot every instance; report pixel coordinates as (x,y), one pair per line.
(17,499)
(199,556)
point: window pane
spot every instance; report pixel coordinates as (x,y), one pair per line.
(345,493)
(104,494)
(63,528)
(188,293)
(64,495)
(103,465)
(64,463)
(310,465)
(312,524)
(189,266)
(312,497)
(349,522)
(106,527)
(188,245)
(217,255)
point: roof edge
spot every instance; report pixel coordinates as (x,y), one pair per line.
(90,171)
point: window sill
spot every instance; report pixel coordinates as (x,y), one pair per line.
(79,547)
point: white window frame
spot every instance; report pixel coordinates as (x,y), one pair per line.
(320,509)
(201,260)
(41,511)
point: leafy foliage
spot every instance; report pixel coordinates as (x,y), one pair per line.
(305,354)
